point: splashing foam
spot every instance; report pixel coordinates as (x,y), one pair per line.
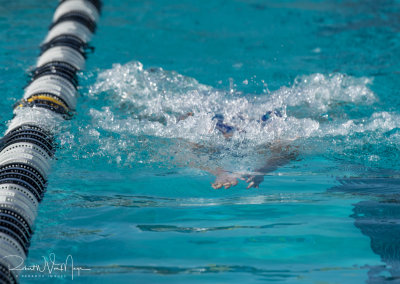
(156,98)
(148,103)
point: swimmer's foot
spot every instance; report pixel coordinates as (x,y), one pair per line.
(225,179)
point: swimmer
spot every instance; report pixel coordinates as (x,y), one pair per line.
(279,154)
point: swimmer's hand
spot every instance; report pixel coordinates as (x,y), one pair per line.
(254,181)
(225,179)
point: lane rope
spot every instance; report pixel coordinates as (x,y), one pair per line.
(27,149)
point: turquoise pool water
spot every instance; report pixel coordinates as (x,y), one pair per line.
(129,198)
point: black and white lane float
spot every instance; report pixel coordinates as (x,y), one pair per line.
(27,148)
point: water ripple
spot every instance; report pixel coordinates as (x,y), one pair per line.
(267,274)
(94,201)
(169,228)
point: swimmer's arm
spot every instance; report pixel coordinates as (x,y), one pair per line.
(202,160)
(280,157)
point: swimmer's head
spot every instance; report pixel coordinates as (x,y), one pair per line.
(224,128)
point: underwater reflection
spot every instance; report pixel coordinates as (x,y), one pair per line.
(378,217)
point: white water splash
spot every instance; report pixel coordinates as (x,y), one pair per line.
(155,99)
(140,105)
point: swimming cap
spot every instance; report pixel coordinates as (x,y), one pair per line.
(267,115)
(221,126)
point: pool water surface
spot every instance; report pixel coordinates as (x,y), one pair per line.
(130,199)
